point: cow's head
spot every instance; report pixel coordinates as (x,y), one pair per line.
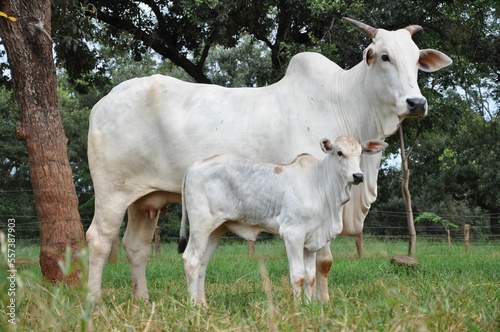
(346,152)
(393,61)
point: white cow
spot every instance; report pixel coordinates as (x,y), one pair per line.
(301,202)
(141,136)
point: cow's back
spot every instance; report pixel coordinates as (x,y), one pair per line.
(149,130)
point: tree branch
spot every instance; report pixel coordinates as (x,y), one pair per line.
(164,47)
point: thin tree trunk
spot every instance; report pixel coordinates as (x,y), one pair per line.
(29,50)
(359,244)
(406,195)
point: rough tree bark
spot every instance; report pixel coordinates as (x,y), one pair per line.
(406,194)
(29,51)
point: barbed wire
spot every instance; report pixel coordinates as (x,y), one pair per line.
(30,224)
(394,213)
(477,233)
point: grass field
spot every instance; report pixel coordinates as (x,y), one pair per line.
(450,290)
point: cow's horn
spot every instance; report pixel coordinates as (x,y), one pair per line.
(414,29)
(364,28)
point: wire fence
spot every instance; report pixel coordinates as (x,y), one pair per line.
(379,224)
(28,229)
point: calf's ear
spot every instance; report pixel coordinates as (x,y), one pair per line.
(373,146)
(326,145)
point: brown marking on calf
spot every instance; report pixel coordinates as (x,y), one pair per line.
(278,170)
(313,282)
(324,267)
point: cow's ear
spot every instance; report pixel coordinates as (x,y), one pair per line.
(369,56)
(326,145)
(373,146)
(431,60)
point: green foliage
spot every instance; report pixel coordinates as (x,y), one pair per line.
(16,196)
(467,162)
(101,43)
(73,32)
(244,65)
(432,217)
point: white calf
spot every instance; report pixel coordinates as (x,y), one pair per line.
(301,202)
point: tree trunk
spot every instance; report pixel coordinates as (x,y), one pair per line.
(406,195)
(29,51)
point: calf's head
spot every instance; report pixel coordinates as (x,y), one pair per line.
(346,154)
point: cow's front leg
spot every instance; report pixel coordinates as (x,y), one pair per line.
(295,252)
(324,261)
(310,274)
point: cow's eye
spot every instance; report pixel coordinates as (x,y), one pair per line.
(385,57)
(340,154)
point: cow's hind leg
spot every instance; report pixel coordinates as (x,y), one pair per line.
(100,235)
(137,241)
(324,261)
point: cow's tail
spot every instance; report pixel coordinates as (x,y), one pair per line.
(181,246)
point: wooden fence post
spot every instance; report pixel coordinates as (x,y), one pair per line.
(113,254)
(251,248)
(466,235)
(359,244)
(157,240)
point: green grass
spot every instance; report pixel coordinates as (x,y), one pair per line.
(450,290)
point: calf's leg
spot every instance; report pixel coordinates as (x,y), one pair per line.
(295,253)
(193,257)
(324,261)
(212,243)
(310,274)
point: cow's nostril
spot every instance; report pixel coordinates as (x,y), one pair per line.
(358,177)
(417,106)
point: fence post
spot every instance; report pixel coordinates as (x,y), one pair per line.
(466,235)
(359,244)
(157,240)
(449,237)
(251,248)
(113,254)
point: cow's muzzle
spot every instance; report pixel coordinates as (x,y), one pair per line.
(358,178)
(416,106)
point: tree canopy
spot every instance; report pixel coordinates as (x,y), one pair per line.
(233,43)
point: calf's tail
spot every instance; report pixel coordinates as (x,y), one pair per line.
(181,246)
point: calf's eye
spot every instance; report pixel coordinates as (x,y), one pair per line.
(385,57)
(340,154)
